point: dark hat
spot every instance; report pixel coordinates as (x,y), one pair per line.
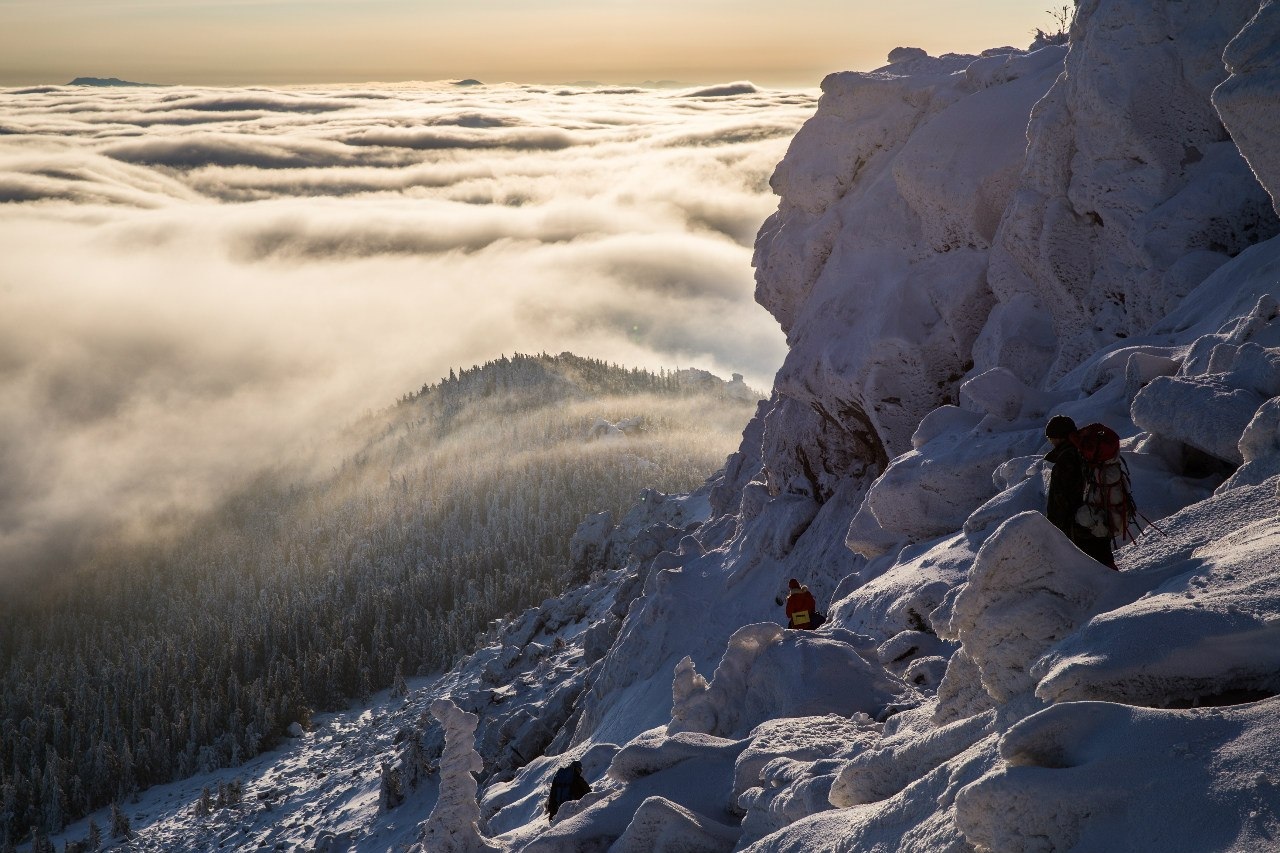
(793,583)
(1059,426)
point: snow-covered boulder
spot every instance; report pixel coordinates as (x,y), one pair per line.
(1029,587)
(930,492)
(769,672)
(1130,191)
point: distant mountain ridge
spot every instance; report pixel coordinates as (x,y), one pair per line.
(108,81)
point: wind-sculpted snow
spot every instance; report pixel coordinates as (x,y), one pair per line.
(1029,587)
(1201,622)
(768,673)
(197,280)
(1096,776)
(878,210)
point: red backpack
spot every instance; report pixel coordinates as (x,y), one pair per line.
(1108,510)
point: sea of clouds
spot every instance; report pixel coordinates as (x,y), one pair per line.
(196,282)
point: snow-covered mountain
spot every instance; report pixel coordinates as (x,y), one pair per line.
(965,245)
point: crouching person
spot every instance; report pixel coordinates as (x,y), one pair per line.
(802,610)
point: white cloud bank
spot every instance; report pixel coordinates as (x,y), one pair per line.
(195,280)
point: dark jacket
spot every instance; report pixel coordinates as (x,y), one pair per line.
(1066,487)
(1066,495)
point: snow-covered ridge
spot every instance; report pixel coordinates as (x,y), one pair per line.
(964,246)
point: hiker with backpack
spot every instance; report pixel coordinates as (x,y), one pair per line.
(802,610)
(568,784)
(1080,503)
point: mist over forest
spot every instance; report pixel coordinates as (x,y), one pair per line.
(169,657)
(200,284)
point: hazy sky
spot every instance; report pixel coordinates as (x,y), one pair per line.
(216,42)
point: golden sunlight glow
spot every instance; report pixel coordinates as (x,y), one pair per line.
(313,41)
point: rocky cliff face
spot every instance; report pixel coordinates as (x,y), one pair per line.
(964,246)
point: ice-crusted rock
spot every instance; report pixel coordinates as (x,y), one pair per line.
(901,598)
(1247,99)
(791,790)
(1259,447)
(1128,176)
(930,492)
(1219,387)
(809,448)
(1029,588)
(890,196)
(800,739)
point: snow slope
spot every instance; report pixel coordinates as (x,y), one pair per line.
(964,246)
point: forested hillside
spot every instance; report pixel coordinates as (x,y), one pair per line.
(301,593)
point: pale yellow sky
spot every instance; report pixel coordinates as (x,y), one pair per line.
(228,42)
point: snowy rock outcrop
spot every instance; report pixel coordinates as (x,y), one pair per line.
(1247,99)
(767,672)
(891,196)
(1132,192)
(964,247)
(1029,588)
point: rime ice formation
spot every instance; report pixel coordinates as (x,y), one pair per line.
(451,828)
(1131,192)
(964,246)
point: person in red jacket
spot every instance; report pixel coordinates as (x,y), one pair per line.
(802,610)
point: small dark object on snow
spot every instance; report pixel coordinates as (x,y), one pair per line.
(568,784)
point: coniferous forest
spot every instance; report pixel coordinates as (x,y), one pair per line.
(303,592)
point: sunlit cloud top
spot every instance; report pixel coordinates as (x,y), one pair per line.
(199,281)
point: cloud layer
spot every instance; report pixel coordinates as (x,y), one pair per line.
(197,281)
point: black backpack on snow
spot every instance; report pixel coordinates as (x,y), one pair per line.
(561,789)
